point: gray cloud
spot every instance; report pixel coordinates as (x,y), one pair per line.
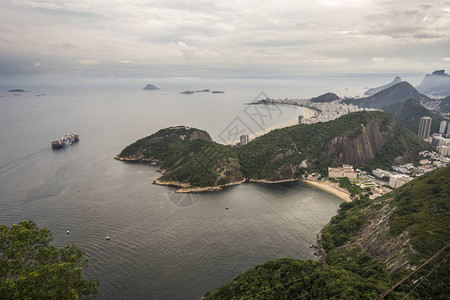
(223,38)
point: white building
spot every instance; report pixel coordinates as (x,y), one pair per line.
(244,139)
(443,127)
(345,171)
(381,173)
(396,181)
(424,127)
(443,150)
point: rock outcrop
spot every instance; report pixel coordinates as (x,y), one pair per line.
(437,84)
(150,87)
(373,91)
(328,97)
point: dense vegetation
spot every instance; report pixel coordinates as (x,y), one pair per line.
(409,113)
(188,156)
(423,209)
(203,164)
(312,143)
(32,268)
(444,106)
(347,274)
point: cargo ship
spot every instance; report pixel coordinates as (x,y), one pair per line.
(65,141)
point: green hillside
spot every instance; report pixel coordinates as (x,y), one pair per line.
(409,113)
(190,157)
(372,139)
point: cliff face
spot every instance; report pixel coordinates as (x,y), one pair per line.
(401,229)
(365,146)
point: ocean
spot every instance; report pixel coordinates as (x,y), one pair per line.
(163,245)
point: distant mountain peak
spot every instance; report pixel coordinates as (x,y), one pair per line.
(396,93)
(439,73)
(328,97)
(437,84)
(373,91)
(150,87)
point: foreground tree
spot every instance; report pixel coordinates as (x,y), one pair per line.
(32,268)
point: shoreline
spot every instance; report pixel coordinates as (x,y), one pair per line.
(327,187)
(308,113)
(323,185)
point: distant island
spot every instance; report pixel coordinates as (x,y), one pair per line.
(150,87)
(201,91)
(17,91)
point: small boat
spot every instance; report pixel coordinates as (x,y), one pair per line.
(310,246)
(226,208)
(68,231)
(108,238)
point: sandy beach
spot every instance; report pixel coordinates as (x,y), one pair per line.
(331,188)
(307,114)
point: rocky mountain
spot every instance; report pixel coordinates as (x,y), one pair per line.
(401,239)
(397,93)
(150,87)
(328,97)
(437,84)
(373,91)
(189,156)
(409,113)
(374,139)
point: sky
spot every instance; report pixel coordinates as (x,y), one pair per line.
(222,39)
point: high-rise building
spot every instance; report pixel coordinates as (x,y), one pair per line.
(424,127)
(448,130)
(244,139)
(443,127)
(300,119)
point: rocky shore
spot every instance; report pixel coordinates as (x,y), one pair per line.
(184,187)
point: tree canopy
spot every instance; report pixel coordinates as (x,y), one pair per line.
(32,268)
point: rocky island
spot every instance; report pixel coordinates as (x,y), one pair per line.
(189,159)
(150,87)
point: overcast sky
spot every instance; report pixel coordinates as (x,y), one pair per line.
(223,39)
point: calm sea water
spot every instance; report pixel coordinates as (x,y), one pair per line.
(163,245)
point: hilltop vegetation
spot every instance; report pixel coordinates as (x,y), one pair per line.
(409,113)
(366,139)
(372,139)
(370,246)
(187,156)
